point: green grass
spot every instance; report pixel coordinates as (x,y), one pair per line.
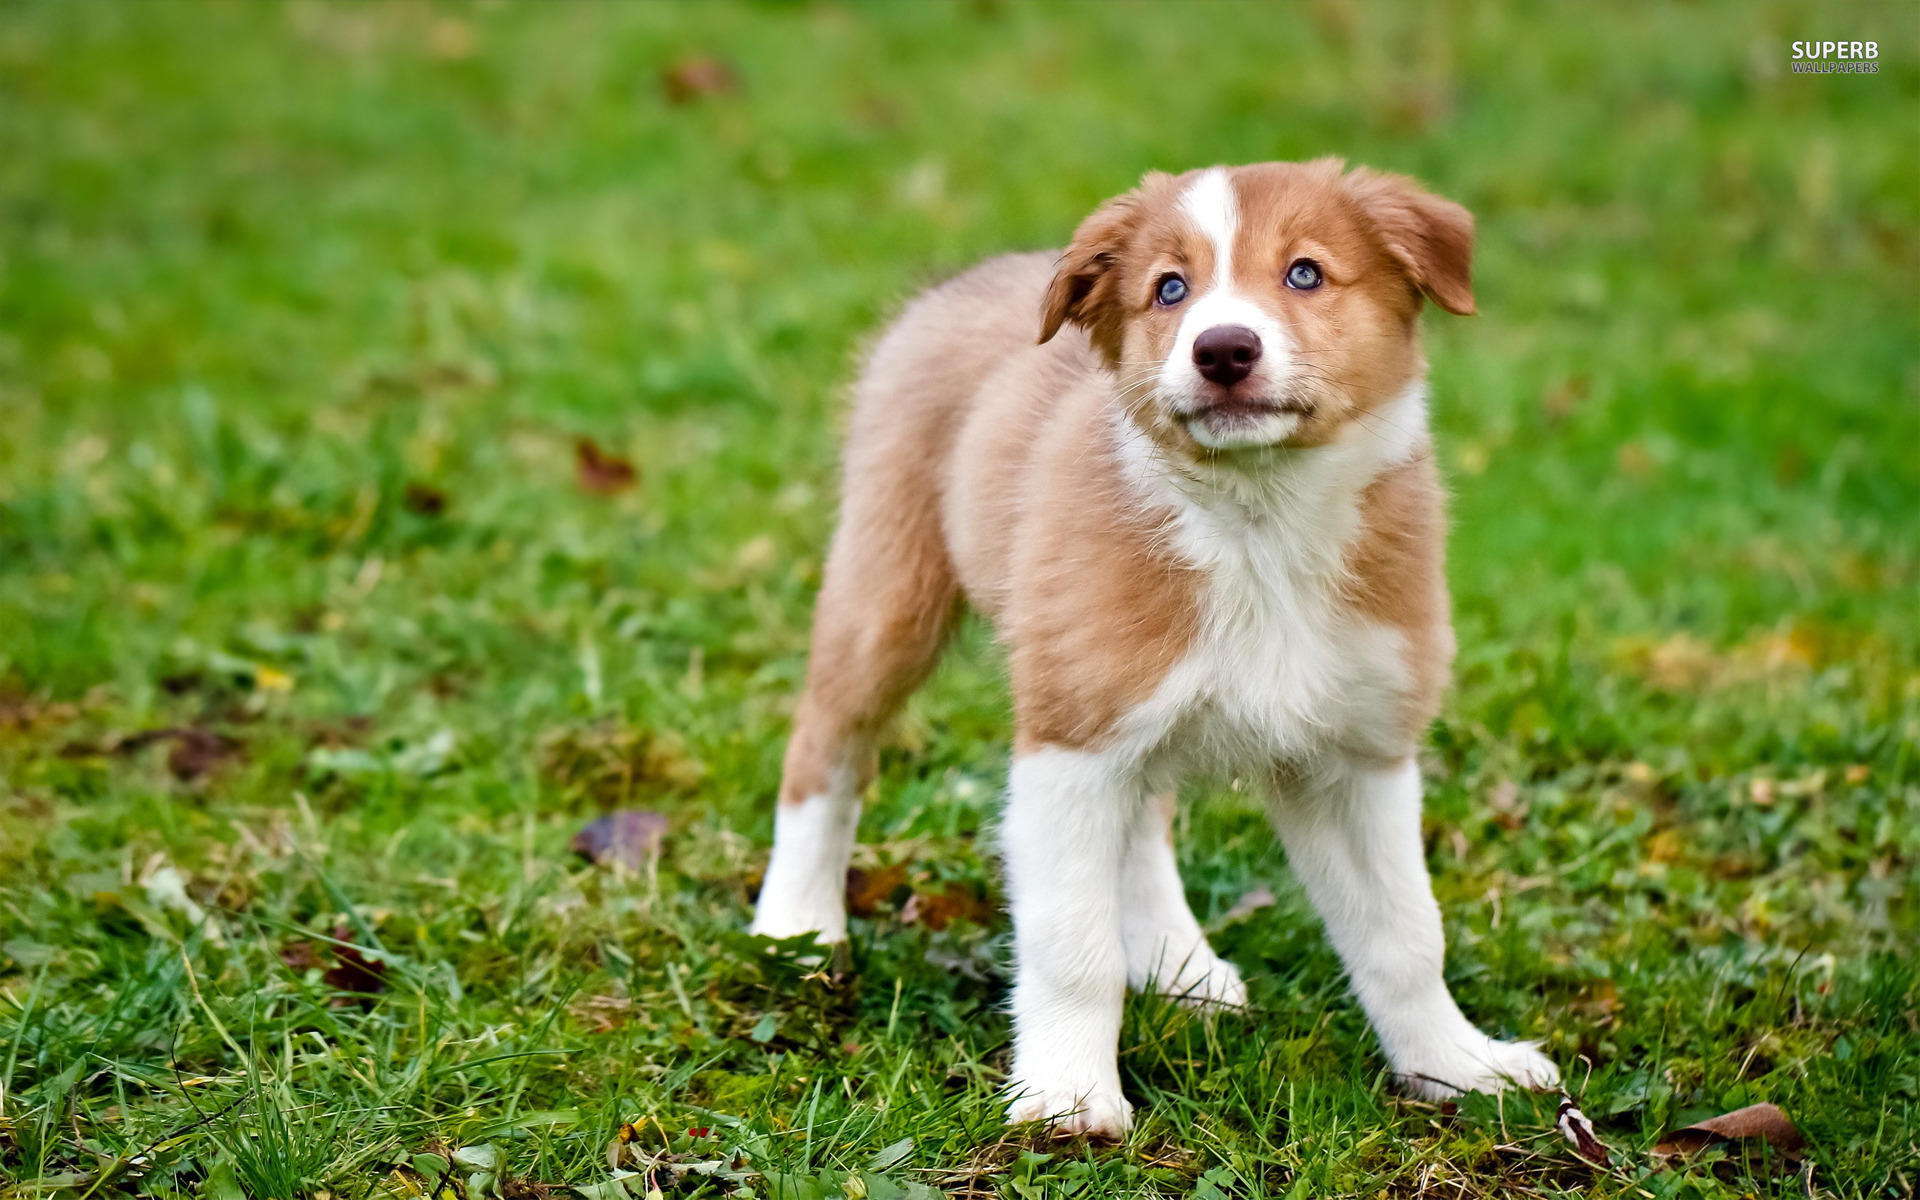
(266,268)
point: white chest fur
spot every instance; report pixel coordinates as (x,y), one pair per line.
(1282,669)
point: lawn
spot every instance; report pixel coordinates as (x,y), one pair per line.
(417,440)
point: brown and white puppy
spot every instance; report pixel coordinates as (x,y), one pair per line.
(1203,516)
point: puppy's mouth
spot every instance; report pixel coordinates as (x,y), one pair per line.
(1231,422)
(1237,408)
(1244,410)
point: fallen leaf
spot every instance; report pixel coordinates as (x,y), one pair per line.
(196,752)
(342,967)
(353,971)
(599,472)
(1575,1127)
(697,76)
(423,500)
(937,910)
(629,837)
(1762,1122)
(300,956)
(868,890)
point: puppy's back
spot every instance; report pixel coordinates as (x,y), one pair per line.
(923,374)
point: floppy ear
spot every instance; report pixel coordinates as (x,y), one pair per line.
(1430,237)
(1083,285)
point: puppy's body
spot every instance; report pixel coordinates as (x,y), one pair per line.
(1195,566)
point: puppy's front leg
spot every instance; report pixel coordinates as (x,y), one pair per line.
(1353,838)
(1068,819)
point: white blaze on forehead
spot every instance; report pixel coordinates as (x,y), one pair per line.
(1209,201)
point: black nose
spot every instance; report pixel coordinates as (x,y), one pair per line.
(1225,354)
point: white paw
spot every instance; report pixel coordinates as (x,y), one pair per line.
(1203,981)
(1473,1062)
(777,920)
(1100,1112)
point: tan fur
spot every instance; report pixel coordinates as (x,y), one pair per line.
(982,464)
(1397,578)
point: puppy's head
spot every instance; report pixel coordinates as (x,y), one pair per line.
(1262,305)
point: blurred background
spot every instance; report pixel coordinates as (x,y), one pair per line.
(417,437)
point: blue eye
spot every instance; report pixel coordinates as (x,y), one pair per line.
(1304,275)
(1173,290)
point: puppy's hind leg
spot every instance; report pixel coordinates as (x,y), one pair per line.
(885,607)
(1166,949)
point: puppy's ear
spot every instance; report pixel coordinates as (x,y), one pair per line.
(1430,237)
(1083,284)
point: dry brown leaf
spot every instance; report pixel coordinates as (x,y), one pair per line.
(630,838)
(1763,1122)
(955,902)
(868,890)
(343,967)
(300,956)
(697,76)
(599,472)
(192,755)
(1578,1130)
(196,752)
(353,971)
(424,500)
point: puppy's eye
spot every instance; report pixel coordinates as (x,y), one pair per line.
(1304,275)
(1173,290)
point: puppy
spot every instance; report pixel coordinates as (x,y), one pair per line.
(1184,469)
